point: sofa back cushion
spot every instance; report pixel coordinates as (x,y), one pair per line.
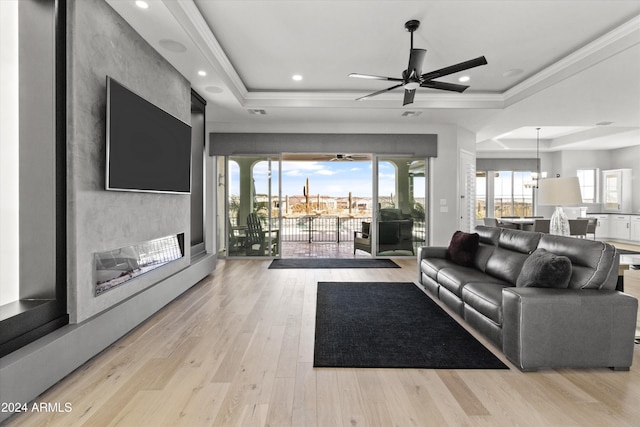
(488,242)
(513,250)
(488,235)
(594,264)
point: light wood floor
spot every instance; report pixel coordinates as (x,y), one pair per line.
(237,350)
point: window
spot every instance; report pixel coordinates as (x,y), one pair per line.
(588,184)
(481,195)
(511,196)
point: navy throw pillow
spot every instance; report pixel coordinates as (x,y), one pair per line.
(463,247)
(544,269)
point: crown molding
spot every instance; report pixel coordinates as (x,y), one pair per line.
(426,99)
(190,19)
(612,43)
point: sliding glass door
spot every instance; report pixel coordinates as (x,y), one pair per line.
(401,205)
(392,216)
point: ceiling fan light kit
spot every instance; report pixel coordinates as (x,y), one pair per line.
(412,78)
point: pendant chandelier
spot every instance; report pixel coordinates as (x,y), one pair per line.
(537,175)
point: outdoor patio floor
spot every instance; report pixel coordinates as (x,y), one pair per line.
(327,250)
(320,250)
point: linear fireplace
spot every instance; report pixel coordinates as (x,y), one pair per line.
(116,267)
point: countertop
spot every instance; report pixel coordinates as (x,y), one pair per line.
(613,213)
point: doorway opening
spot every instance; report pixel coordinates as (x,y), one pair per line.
(326,199)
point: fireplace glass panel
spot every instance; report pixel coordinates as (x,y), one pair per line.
(115,267)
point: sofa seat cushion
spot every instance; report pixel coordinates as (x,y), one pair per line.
(431,266)
(486,299)
(455,278)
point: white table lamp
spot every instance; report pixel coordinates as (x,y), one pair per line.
(559,192)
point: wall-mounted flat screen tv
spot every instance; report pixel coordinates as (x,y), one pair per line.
(148,149)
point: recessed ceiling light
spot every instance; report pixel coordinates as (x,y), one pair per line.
(257,111)
(296,77)
(172,45)
(604,123)
(142,4)
(464,79)
(202,73)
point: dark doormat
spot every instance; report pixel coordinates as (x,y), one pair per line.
(333,263)
(391,325)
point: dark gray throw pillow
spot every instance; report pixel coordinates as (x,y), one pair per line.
(544,269)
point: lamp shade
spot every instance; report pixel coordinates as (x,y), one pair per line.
(559,192)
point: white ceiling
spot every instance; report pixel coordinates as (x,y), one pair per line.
(579,62)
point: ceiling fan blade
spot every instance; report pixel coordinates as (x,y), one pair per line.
(444,86)
(378,92)
(372,77)
(416,59)
(455,68)
(408,96)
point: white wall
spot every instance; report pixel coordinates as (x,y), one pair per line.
(9,156)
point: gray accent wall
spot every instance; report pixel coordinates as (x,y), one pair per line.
(103,44)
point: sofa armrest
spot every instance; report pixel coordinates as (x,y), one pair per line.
(578,328)
(431,252)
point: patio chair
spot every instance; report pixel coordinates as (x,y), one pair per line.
(362,239)
(260,242)
(236,240)
(395,235)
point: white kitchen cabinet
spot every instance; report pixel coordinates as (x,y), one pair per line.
(635,228)
(616,190)
(602,229)
(620,227)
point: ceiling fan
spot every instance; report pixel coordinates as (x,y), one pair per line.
(349,157)
(412,77)
(339,157)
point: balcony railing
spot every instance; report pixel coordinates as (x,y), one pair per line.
(324,228)
(330,228)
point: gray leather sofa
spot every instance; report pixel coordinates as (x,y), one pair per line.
(587,325)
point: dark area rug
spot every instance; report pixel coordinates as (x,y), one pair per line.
(391,325)
(333,263)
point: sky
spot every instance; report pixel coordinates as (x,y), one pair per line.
(335,179)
